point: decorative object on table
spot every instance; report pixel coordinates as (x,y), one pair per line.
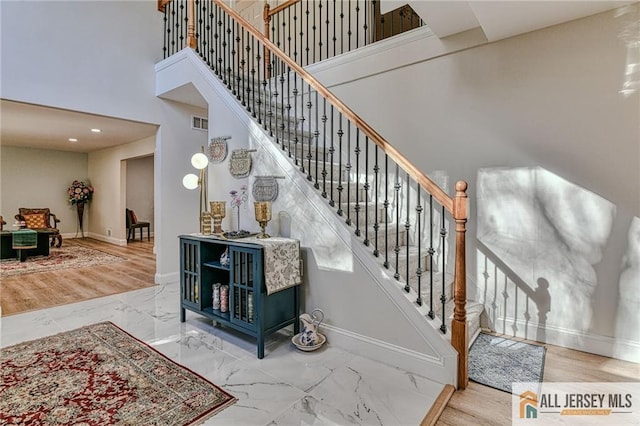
(310,338)
(238,198)
(80,193)
(265,188)
(218,149)
(191,181)
(284,224)
(234,235)
(224,298)
(498,362)
(263,216)
(100,374)
(215,302)
(206,223)
(218,212)
(240,163)
(224,258)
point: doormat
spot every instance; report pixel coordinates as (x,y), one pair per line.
(497,362)
(70,256)
(101,375)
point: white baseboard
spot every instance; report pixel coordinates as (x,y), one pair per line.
(625,350)
(110,240)
(172,277)
(438,370)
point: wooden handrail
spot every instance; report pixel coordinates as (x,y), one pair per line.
(281,7)
(424,181)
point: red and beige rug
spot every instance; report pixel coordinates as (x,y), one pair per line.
(101,375)
(70,256)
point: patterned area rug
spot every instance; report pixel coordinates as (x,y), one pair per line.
(497,362)
(101,375)
(70,256)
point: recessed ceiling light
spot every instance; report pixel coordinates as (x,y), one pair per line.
(96,130)
(73,140)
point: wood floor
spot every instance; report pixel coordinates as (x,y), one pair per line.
(29,292)
(482,405)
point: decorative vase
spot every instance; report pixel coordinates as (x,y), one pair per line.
(80,210)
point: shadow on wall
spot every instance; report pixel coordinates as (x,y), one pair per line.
(536,301)
(535,260)
(628,321)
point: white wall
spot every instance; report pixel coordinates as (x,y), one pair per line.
(547,101)
(40,178)
(107,168)
(140,188)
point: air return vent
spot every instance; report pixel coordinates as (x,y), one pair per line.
(199,123)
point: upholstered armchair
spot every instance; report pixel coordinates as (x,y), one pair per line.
(41,219)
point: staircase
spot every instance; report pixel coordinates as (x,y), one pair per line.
(412,227)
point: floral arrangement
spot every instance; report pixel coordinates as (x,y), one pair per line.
(79,192)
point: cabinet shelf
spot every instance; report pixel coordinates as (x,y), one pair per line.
(216,265)
(251,310)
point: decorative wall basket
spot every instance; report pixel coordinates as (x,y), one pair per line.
(240,163)
(218,149)
(265,188)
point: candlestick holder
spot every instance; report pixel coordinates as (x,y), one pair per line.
(263,216)
(218,212)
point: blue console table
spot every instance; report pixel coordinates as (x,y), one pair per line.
(255,307)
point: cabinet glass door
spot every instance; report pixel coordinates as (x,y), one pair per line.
(190,259)
(244,286)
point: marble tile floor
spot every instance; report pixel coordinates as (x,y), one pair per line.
(287,387)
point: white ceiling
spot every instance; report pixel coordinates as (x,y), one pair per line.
(36,126)
(502,19)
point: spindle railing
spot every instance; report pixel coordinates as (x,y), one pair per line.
(399,212)
(310,31)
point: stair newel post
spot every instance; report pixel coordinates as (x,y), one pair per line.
(191,24)
(266,16)
(459,323)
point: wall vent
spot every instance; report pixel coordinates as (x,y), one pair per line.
(199,123)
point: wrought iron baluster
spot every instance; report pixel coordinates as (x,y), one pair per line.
(315,27)
(295,114)
(357,180)
(316,136)
(219,36)
(284,119)
(358,24)
(335,50)
(348,169)
(396,249)
(182,18)
(243,65)
(340,187)
(256,88)
(341,27)
(289,112)
(324,147)
(443,297)
(302,120)
(165,31)
(320,44)
(309,134)
(349,32)
(376,196)
(386,210)
(234,89)
(331,151)
(307,29)
(419,222)
(327,22)
(431,252)
(407,227)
